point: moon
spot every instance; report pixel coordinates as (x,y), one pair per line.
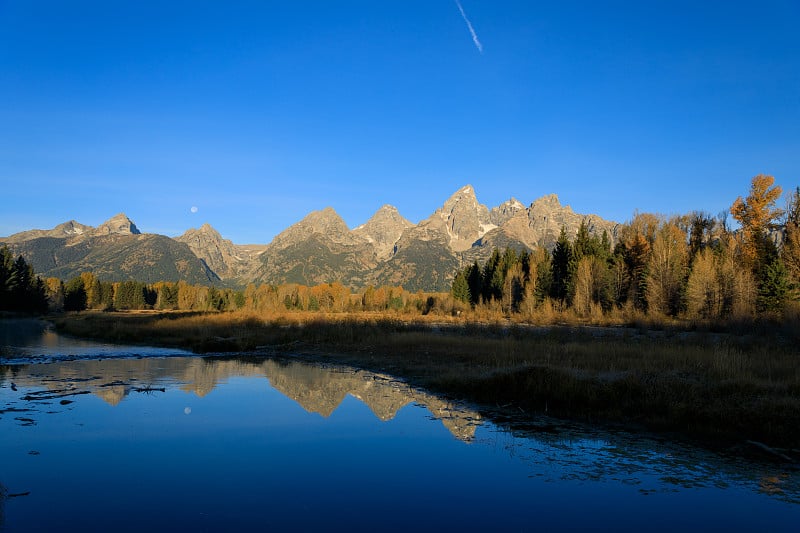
(193,209)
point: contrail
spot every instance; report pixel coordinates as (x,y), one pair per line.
(475,40)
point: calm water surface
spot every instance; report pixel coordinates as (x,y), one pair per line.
(99,438)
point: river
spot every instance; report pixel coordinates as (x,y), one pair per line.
(97,437)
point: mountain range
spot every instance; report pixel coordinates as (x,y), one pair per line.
(386,250)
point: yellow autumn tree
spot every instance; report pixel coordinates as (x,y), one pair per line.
(756,214)
(703,292)
(667,267)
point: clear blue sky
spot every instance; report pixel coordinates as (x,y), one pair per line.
(259,112)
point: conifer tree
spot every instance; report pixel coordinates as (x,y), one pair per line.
(460,289)
(562,268)
(790,252)
(475,281)
(74,295)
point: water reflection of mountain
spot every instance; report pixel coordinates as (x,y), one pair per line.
(554,450)
(318,389)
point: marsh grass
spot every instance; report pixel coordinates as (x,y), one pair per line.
(703,381)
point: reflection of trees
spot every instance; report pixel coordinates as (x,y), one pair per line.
(19,332)
(570,451)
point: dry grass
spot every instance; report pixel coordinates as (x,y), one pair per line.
(702,382)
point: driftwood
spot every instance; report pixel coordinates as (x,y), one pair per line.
(148,389)
(772,451)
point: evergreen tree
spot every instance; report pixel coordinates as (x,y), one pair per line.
(131,295)
(544,277)
(168,296)
(633,255)
(106,295)
(771,278)
(773,287)
(20,288)
(790,251)
(562,268)
(489,288)
(475,282)
(74,295)
(460,289)
(582,244)
(215,300)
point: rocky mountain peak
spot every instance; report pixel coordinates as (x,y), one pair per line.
(465,219)
(204,233)
(220,255)
(383,230)
(326,222)
(71,227)
(464,196)
(70,230)
(546,217)
(549,201)
(506,211)
(119,224)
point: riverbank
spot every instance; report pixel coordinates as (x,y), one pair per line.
(732,387)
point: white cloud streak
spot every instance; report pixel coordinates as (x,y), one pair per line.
(475,39)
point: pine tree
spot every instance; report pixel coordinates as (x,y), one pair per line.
(460,289)
(489,270)
(790,251)
(773,288)
(475,281)
(562,268)
(74,295)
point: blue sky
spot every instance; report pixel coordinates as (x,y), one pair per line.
(260,112)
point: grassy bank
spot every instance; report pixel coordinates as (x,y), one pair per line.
(719,385)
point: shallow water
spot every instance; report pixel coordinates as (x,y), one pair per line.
(132,439)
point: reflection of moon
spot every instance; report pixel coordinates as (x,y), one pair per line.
(187,410)
(193,209)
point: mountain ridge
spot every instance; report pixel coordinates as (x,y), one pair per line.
(387,249)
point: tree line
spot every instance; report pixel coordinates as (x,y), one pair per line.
(21,290)
(87,292)
(693,265)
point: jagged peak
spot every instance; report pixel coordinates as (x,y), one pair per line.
(507,210)
(387,208)
(467,192)
(206,230)
(119,224)
(386,212)
(513,202)
(550,200)
(326,221)
(72,227)
(326,215)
